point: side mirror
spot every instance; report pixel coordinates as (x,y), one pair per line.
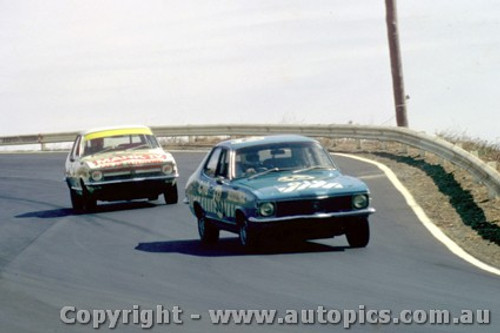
(221,180)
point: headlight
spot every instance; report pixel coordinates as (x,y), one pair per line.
(360,201)
(266,209)
(167,169)
(96,175)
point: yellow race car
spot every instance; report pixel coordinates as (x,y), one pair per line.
(120,163)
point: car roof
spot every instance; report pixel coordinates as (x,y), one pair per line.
(112,128)
(263,140)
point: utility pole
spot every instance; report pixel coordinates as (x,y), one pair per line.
(396,65)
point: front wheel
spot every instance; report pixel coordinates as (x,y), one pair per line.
(82,203)
(170,194)
(76,200)
(358,233)
(89,203)
(247,236)
(209,234)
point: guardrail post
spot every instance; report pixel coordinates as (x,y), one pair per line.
(404,148)
(42,144)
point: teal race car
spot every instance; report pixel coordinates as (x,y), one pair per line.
(277,187)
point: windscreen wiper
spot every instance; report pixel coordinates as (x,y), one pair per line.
(314,167)
(275,169)
(145,145)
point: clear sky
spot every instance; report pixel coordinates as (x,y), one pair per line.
(67,65)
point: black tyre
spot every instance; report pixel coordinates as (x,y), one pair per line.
(247,236)
(170,194)
(209,234)
(76,200)
(358,233)
(89,204)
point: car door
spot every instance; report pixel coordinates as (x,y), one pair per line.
(221,187)
(72,163)
(215,175)
(207,182)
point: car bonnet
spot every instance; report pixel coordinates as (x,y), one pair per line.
(121,159)
(284,185)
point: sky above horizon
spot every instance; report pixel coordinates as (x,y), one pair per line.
(69,65)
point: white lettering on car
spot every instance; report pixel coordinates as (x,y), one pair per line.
(236,196)
(300,186)
(127,160)
(292,178)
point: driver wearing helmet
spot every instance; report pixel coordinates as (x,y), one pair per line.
(250,163)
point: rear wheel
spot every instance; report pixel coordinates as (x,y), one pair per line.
(170,194)
(358,233)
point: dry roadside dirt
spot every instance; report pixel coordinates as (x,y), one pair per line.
(451,198)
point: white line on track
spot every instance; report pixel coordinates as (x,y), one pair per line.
(381,175)
(426,221)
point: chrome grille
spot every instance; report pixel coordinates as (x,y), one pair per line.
(132,173)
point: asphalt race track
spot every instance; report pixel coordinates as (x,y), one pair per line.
(137,255)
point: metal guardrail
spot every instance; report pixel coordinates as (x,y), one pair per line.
(454,154)
(38,138)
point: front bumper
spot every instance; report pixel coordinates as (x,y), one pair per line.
(134,188)
(315,226)
(361,212)
(132,180)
